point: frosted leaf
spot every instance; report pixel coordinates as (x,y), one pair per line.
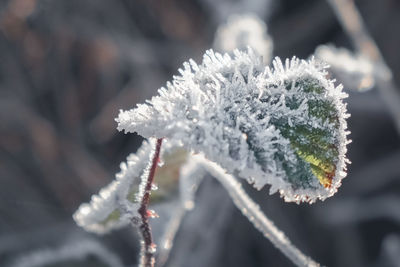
(354,70)
(283,126)
(117,204)
(241,31)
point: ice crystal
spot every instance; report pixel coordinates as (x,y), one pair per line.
(241,31)
(283,126)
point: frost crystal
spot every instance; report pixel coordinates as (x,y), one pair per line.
(283,126)
(241,31)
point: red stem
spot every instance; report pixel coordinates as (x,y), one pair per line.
(148,248)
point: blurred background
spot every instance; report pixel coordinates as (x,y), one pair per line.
(67,67)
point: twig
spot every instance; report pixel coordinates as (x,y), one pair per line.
(253,212)
(352,22)
(148,247)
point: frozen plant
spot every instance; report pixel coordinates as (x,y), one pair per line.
(283,126)
(234,117)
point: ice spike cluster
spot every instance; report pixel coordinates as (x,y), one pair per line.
(284,126)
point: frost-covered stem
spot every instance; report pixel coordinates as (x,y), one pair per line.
(253,212)
(148,248)
(351,20)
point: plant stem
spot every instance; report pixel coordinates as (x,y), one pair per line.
(148,247)
(253,212)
